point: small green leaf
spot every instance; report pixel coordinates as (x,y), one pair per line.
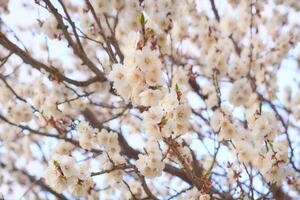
(271,144)
(142,19)
(164,120)
(207,174)
(176,87)
(55,163)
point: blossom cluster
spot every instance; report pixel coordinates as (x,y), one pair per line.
(91,138)
(259,145)
(151,165)
(141,81)
(64,174)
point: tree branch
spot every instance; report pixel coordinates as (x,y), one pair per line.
(215,11)
(5,42)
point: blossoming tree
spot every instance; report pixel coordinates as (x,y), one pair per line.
(149,99)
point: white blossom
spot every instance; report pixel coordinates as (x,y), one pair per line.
(240,92)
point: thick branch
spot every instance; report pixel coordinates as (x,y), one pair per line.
(5,42)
